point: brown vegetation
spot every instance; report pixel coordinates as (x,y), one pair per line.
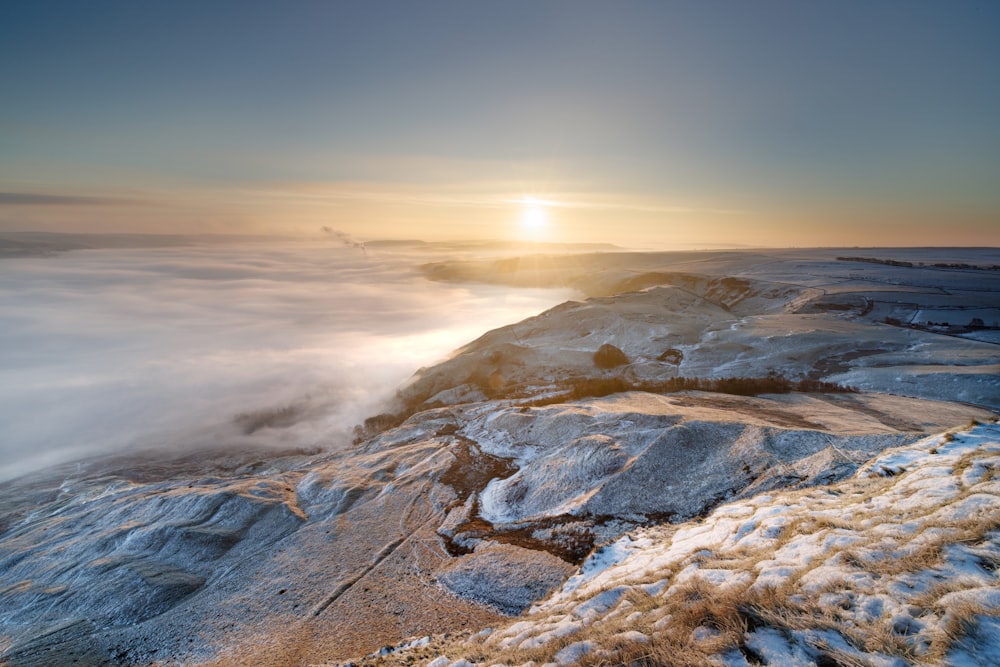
(608,356)
(590,387)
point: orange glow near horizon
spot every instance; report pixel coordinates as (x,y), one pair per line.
(481,209)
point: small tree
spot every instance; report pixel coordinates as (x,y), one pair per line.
(609,356)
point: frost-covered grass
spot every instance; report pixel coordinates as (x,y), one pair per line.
(895,566)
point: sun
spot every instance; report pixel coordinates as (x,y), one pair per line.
(534,217)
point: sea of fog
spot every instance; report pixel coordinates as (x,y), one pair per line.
(188,347)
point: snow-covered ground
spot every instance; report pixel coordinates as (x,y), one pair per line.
(835,527)
(799,314)
(896,565)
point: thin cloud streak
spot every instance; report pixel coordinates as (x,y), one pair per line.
(36,199)
(639,208)
(362,193)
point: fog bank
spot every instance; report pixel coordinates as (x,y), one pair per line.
(117,349)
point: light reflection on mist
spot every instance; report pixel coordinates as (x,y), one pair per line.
(109,350)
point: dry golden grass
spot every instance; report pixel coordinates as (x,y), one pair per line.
(704,620)
(960,619)
(916,559)
(964,463)
(880,637)
(814,524)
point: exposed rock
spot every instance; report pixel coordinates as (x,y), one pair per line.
(504,576)
(897,560)
(323,557)
(640,456)
(671,356)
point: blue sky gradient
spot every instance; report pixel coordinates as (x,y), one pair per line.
(742,122)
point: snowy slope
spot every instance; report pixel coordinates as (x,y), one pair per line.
(896,565)
(821,540)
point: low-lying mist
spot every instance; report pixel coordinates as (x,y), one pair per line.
(193,347)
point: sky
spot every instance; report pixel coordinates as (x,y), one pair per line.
(646,124)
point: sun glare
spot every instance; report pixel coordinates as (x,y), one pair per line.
(534,217)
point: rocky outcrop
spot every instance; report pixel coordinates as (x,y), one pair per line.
(504,469)
(894,565)
(891,566)
(505,576)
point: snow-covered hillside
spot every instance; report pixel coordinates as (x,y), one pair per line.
(896,565)
(672,472)
(801,315)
